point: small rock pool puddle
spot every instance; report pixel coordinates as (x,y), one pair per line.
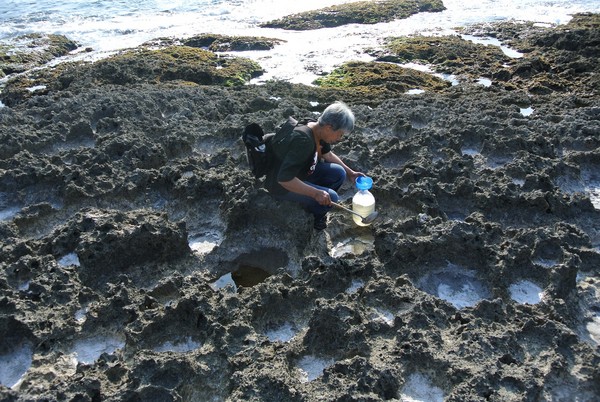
(419,387)
(88,350)
(527,111)
(588,183)
(8,213)
(593,328)
(382,315)
(545,262)
(15,364)
(460,287)
(310,367)
(589,291)
(355,286)
(592,188)
(490,41)
(244,276)
(355,245)
(454,284)
(526,292)
(80,315)
(183,346)
(69,259)
(283,333)
(205,243)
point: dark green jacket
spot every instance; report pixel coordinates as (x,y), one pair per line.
(294,155)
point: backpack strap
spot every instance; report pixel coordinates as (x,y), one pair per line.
(303,129)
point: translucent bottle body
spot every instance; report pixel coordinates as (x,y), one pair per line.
(363,203)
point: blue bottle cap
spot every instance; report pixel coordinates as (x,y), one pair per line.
(364,183)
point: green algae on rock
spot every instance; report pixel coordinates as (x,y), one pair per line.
(561,58)
(377,77)
(182,64)
(449,54)
(362,12)
(226,43)
(218,43)
(32,50)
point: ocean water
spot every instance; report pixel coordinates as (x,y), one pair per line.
(108,26)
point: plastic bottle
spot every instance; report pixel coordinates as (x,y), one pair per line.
(363,201)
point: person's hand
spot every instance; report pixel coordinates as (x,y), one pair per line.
(322,197)
(352,176)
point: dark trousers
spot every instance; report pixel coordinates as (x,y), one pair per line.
(328,177)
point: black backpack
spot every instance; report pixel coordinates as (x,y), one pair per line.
(258,151)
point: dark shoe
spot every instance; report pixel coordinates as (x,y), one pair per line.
(320,222)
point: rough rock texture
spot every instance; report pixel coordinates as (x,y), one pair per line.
(123,201)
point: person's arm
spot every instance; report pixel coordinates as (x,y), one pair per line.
(299,187)
(350,174)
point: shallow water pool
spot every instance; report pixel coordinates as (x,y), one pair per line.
(15,364)
(593,327)
(353,246)
(284,333)
(355,286)
(526,292)
(418,388)
(311,367)
(456,285)
(88,350)
(205,243)
(69,259)
(182,346)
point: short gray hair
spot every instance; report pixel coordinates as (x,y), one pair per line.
(339,116)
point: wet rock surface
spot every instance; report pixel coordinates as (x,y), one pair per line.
(129,221)
(360,12)
(28,51)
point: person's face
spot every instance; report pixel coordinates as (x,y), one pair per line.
(332,136)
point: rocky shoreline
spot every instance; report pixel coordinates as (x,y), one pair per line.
(141,261)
